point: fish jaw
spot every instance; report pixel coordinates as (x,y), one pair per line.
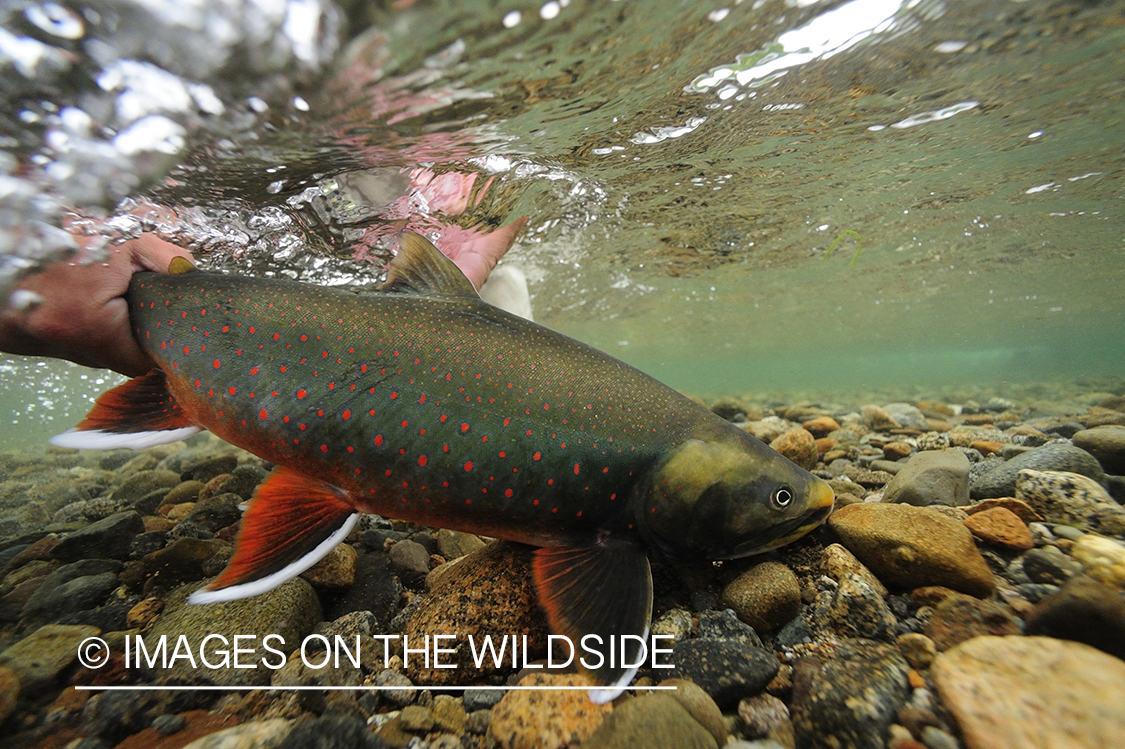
(726,495)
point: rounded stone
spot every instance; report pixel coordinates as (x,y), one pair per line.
(728,671)
(1018,692)
(858,610)
(1107,444)
(918,650)
(911,547)
(799,446)
(140,484)
(700,706)
(1055,456)
(38,659)
(931,477)
(766,596)
(1083,610)
(821,426)
(1066,497)
(959,618)
(1101,558)
(655,721)
(836,561)
(109,538)
(547,719)
(336,570)
(1001,527)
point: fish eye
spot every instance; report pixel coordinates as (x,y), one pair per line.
(782,497)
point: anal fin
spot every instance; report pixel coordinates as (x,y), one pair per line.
(137,414)
(604,589)
(291,523)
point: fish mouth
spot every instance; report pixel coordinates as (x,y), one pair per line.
(821,502)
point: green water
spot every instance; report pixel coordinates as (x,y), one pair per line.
(680,217)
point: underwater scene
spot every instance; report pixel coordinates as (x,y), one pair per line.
(601,373)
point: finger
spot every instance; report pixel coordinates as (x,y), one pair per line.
(150,252)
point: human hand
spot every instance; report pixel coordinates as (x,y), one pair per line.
(79,311)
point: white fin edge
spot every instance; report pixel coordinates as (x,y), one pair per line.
(96,439)
(288,572)
(602,695)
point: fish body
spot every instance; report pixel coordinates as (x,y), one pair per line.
(423,403)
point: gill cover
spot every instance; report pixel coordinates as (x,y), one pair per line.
(723,499)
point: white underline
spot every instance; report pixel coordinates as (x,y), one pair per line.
(167,688)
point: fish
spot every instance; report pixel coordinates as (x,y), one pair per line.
(419,401)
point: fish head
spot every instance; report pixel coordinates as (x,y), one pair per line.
(725,497)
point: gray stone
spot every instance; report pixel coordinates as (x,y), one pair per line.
(931,477)
(1049,565)
(858,610)
(332,731)
(725,625)
(411,561)
(140,484)
(109,538)
(907,415)
(854,698)
(1054,456)
(38,606)
(726,670)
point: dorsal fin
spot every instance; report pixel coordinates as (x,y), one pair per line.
(420,268)
(181,265)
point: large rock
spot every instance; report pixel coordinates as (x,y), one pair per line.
(854,698)
(547,719)
(109,537)
(1101,558)
(726,670)
(290,611)
(766,596)
(1107,444)
(912,547)
(931,477)
(1020,692)
(1071,499)
(1055,456)
(40,658)
(655,721)
(1083,610)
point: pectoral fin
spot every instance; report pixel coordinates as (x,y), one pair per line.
(137,414)
(292,521)
(606,590)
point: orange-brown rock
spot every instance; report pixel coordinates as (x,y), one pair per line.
(799,446)
(936,407)
(821,426)
(1002,527)
(897,450)
(986,447)
(1022,509)
(548,719)
(824,444)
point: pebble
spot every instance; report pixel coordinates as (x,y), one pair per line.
(1055,456)
(291,611)
(910,547)
(1065,497)
(906,415)
(700,706)
(549,719)
(1018,692)
(411,561)
(1000,527)
(42,603)
(1107,444)
(455,544)
(836,560)
(40,658)
(655,721)
(766,596)
(853,699)
(144,482)
(858,610)
(182,561)
(959,618)
(878,419)
(1049,565)
(918,650)
(1083,610)
(726,670)
(675,623)
(725,625)
(821,426)
(931,477)
(1022,509)
(766,717)
(1101,558)
(799,446)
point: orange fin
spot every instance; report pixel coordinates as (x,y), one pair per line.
(604,589)
(137,414)
(292,521)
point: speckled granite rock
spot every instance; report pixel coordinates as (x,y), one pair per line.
(1019,692)
(1055,456)
(1071,498)
(547,719)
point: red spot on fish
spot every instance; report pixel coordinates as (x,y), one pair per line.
(507,492)
(464,427)
(422,399)
(262,414)
(324,448)
(404,422)
(197,383)
(503,454)
(394,394)
(469,466)
(536,456)
(226,328)
(346,415)
(253,370)
(545,406)
(422,460)
(277,336)
(284,370)
(187,349)
(302,393)
(216,364)
(575,469)
(251,330)
(443,418)
(535,501)
(484,438)
(378,440)
(232,390)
